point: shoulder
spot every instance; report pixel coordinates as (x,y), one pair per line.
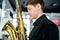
(49,25)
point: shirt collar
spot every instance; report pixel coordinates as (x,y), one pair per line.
(39,20)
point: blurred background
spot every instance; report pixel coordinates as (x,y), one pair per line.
(8,12)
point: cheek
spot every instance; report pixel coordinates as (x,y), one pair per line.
(32,12)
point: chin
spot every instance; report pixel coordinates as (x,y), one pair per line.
(33,18)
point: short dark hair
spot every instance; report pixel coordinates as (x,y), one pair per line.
(34,2)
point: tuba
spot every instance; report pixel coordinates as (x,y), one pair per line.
(13,33)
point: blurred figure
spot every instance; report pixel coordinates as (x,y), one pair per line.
(43,29)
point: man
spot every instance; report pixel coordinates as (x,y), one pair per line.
(43,29)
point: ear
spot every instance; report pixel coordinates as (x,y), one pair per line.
(38,6)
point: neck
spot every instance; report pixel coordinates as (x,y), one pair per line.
(40,13)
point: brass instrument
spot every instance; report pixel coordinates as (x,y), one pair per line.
(20,21)
(10,28)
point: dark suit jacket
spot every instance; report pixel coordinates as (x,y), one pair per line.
(44,29)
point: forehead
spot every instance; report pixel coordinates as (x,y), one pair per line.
(30,6)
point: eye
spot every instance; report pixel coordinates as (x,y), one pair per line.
(28,8)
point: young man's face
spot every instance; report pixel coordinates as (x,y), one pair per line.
(32,11)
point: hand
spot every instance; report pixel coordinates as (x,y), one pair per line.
(16,38)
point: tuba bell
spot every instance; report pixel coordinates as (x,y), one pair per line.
(10,29)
